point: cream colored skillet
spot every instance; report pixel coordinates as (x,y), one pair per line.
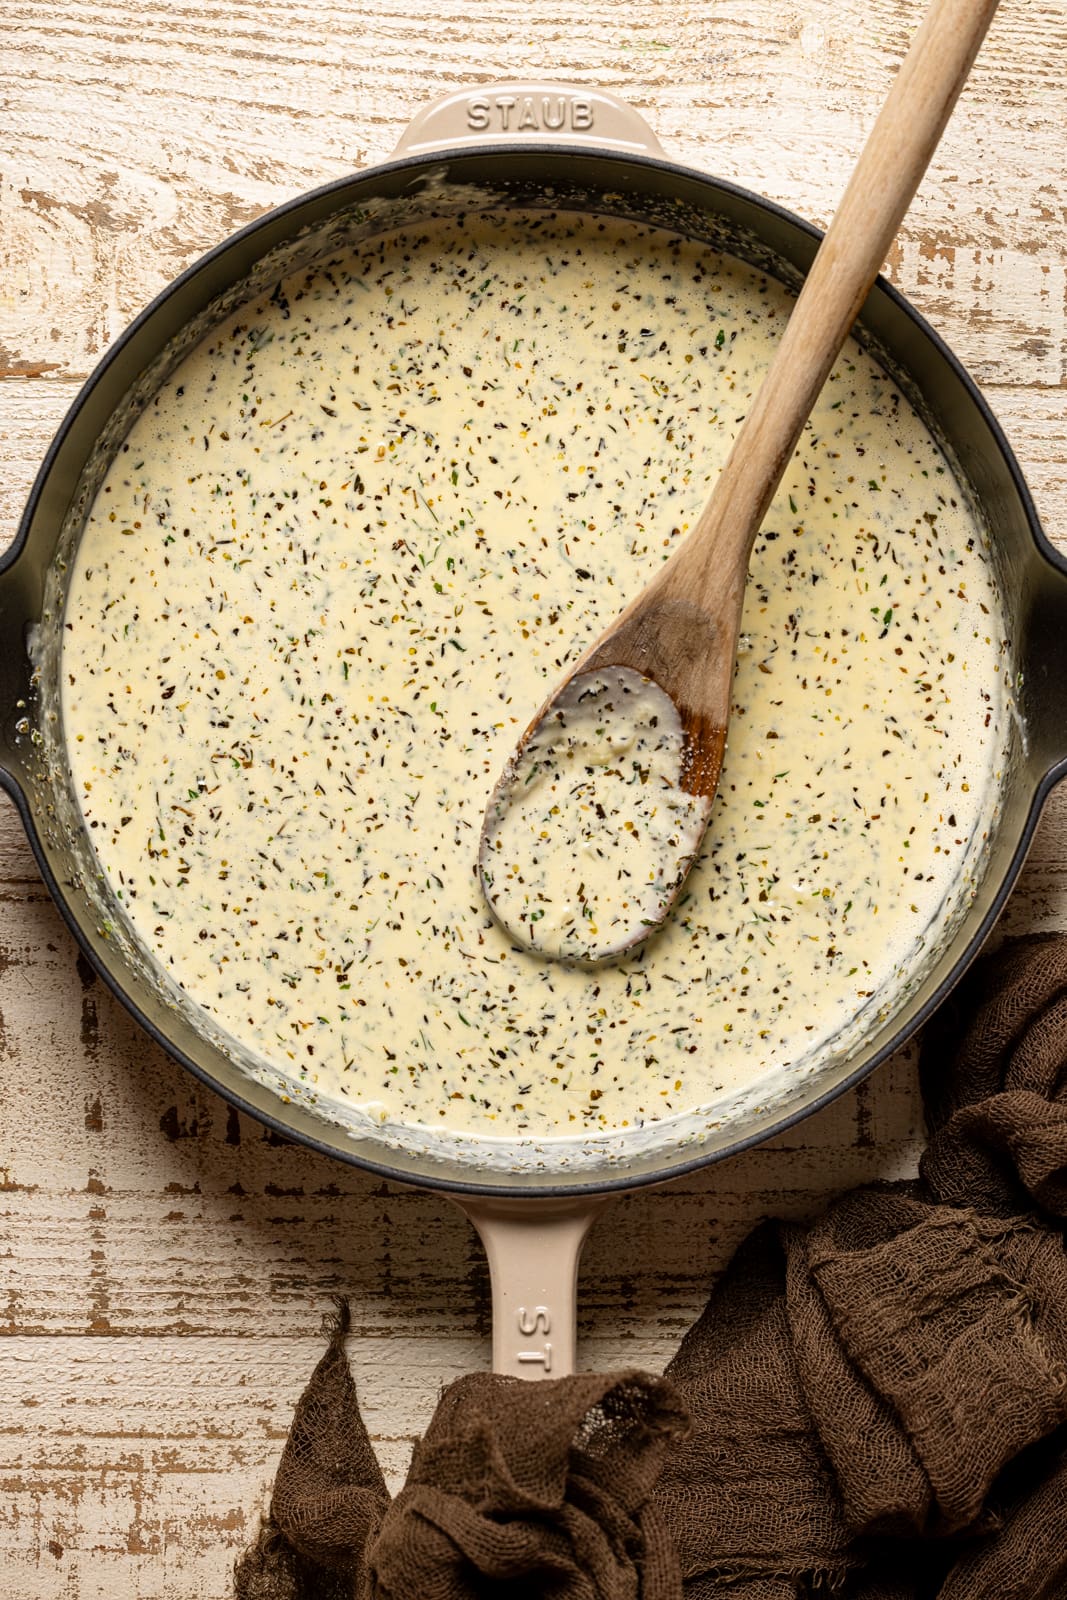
(521,146)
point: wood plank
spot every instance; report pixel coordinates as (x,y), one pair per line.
(146,179)
(104,1434)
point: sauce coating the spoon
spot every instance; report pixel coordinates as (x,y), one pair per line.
(360,533)
(590,831)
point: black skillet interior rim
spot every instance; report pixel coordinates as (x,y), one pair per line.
(1034,577)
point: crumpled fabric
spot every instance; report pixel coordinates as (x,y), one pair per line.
(872,1407)
(538,1490)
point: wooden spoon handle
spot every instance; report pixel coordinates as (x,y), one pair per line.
(889,170)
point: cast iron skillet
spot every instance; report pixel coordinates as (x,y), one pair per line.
(523,146)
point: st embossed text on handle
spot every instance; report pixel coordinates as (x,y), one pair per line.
(531,1324)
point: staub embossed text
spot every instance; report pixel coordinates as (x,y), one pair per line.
(546,113)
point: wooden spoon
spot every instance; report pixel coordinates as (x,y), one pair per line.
(661,674)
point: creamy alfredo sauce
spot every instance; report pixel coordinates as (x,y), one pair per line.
(349,550)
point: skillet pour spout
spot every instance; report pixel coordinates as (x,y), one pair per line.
(1043,667)
(20,603)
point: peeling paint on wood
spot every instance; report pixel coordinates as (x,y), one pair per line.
(166,1263)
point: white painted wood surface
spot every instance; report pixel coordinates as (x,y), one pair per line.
(164,1264)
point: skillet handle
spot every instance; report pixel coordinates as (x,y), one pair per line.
(533,1248)
(528,113)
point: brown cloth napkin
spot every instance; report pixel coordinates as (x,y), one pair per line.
(537,1490)
(876,1404)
